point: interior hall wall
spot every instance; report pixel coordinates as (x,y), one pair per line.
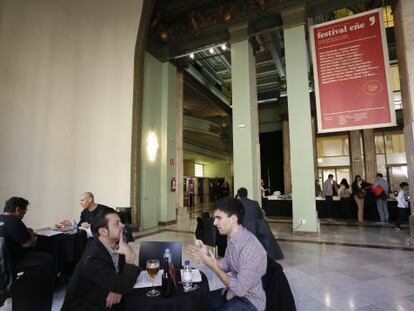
(189,168)
(66,84)
(220,169)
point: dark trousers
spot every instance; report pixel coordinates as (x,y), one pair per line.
(219,303)
(328,204)
(346,205)
(402,213)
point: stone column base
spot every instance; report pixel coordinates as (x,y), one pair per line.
(411,224)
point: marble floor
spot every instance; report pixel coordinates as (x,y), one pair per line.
(342,268)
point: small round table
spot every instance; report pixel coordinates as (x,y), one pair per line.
(179,300)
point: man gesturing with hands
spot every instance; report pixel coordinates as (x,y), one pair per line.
(243,265)
(107,269)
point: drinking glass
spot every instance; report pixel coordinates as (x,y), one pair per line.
(153,266)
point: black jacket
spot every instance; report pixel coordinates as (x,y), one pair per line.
(95,276)
(279,296)
(256,224)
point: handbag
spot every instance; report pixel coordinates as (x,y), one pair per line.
(378,191)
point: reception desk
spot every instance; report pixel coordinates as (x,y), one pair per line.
(279,207)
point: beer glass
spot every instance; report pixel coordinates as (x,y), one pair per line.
(153,266)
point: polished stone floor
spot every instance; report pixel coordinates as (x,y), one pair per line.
(341,268)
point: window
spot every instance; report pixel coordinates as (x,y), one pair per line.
(388,17)
(333,151)
(332,146)
(199,170)
(390,150)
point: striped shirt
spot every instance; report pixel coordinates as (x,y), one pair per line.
(245,262)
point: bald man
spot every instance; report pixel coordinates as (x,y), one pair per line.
(90,209)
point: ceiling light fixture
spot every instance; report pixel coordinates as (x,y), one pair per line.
(212,50)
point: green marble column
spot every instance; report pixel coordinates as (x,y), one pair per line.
(300,123)
(246,146)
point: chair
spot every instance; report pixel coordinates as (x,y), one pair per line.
(33,289)
(156,249)
(19,285)
(209,235)
(209,232)
(279,296)
(6,275)
(124,214)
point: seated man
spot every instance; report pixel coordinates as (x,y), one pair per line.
(90,209)
(19,239)
(106,270)
(243,265)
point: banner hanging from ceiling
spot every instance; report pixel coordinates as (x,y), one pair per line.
(351,73)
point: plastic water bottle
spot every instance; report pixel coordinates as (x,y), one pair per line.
(74,226)
(167,254)
(187,276)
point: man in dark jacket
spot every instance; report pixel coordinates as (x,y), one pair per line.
(107,269)
(254,222)
(252,212)
(90,209)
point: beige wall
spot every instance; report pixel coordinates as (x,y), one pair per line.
(189,169)
(66,72)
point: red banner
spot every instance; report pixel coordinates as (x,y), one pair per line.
(351,71)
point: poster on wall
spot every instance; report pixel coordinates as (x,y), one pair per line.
(351,73)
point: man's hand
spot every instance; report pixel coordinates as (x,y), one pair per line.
(112,298)
(204,255)
(125,249)
(85,225)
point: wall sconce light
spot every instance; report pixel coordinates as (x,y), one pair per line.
(227,15)
(211,50)
(164,35)
(192,55)
(152,146)
(223,47)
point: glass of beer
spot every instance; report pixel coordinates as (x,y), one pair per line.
(153,266)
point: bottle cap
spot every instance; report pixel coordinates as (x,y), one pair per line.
(187,262)
(167,250)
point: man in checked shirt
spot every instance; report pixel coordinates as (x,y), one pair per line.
(243,265)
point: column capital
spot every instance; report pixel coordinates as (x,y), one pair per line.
(239,32)
(294,16)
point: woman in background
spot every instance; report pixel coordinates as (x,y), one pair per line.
(345,193)
(359,193)
(403,205)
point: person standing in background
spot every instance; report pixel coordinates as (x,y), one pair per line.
(382,198)
(345,193)
(359,194)
(402,204)
(328,194)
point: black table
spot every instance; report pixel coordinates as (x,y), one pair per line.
(66,249)
(283,208)
(179,301)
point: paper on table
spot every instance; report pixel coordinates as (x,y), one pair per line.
(48,232)
(144,280)
(214,281)
(195,275)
